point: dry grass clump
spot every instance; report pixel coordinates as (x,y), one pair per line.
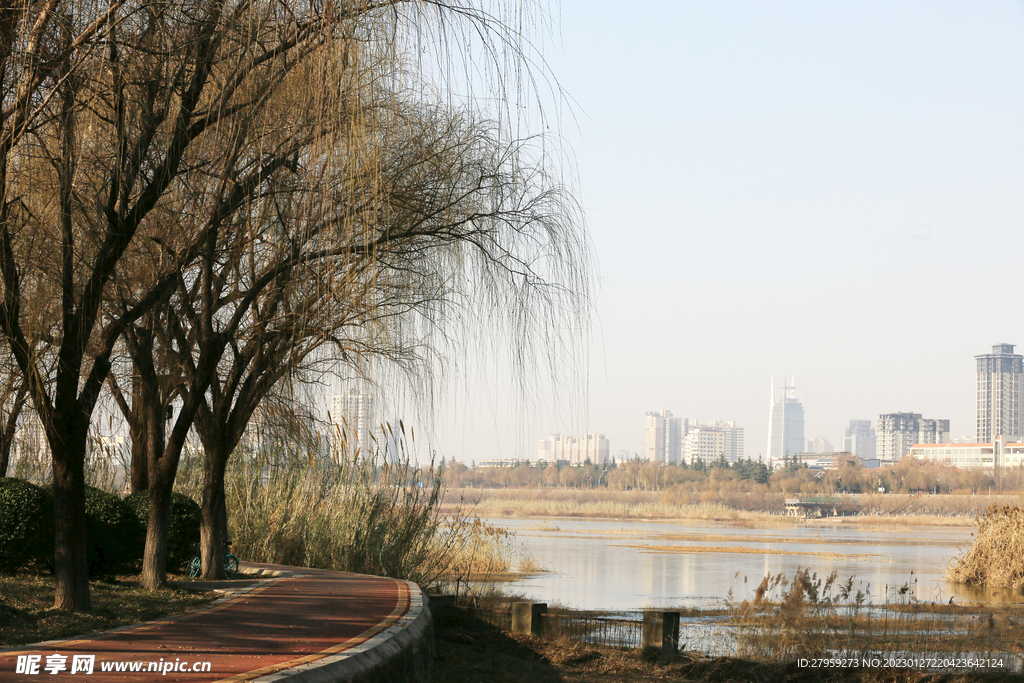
(487,553)
(996,558)
(368,517)
(809,616)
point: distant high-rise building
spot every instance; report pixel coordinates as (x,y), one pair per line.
(654,436)
(1000,395)
(785,424)
(704,444)
(575,450)
(819,444)
(897,432)
(663,436)
(860,439)
(354,420)
(733,439)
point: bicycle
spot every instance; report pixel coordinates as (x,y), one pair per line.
(195,567)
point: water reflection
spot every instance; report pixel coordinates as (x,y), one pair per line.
(617,565)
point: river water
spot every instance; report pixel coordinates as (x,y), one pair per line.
(623,566)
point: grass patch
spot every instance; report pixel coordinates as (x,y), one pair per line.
(27,614)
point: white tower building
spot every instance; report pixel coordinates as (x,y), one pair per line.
(1000,395)
(785,424)
(354,420)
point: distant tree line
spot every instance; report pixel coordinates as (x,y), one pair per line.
(907,476)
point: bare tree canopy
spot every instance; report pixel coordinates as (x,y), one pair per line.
(177,176)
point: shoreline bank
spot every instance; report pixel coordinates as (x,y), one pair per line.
(879,510)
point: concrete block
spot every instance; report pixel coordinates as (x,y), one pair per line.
(527,619)
(660,632)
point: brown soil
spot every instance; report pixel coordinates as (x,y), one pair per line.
(472,651)
(27,614)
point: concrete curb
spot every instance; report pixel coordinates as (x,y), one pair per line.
(401,653)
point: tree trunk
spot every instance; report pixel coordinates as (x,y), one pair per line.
(6,442)
(214,530)
(162,472)
(71,564)
(154,562)
(137,430)
(10,427)
(5,455)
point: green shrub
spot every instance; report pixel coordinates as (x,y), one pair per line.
(114,533)
(183,530)
(26,525)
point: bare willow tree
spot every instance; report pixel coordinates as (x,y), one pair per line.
(137,140)
(430,213)
(396,220)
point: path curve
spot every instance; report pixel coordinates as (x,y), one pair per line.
(299,626)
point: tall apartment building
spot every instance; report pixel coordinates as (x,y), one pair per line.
(354,418)
(654,436)
(664,435)
(575,450)
(704,444)
(785,424)
(666,438)
(860,439)
(1000,395)
(897,432)
(733,438)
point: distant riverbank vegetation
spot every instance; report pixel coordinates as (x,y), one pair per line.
(722,490)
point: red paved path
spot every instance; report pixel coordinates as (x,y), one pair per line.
(287,622)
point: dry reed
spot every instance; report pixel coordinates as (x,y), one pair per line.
(365,516)
(810,617)
(996,558)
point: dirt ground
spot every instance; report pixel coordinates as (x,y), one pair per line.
(472,651)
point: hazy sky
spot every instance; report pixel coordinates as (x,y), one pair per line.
(829,190)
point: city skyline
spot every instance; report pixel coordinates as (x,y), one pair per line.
(813,188)
(888,437)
